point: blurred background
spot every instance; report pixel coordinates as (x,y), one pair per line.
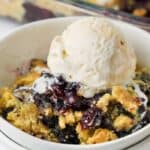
(23,11)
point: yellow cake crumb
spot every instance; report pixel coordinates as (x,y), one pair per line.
(123,123)
(102,135)
(129,101)
(83,135)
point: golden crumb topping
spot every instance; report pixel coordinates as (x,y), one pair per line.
(25,117)
(27,79)
(123,123)
(7,99)
(61,115)
(129,101)
(102,135)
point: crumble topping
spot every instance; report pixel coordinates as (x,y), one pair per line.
(58,113)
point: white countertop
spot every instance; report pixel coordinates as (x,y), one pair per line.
(5,27)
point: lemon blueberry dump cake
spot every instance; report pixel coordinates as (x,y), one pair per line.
(75,101)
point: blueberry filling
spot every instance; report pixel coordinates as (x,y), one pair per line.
(92,118)
(42,100)
(62,95)
(67,135)
(50,122)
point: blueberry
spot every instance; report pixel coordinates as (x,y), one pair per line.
(115,109)
(50,122)
(107,122)
(61,81)
(58,91)
(141,109)
(59,105)
(121,134)
(67,135)
(42,100)
(6,111)
(92,118)
(72,86)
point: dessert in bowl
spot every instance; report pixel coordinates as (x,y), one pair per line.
(89,91)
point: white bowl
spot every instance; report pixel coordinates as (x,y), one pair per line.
(33,41)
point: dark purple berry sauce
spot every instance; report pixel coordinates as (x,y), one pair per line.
(92,118)
(60,94)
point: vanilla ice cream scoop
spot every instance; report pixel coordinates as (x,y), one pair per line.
(93,52)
